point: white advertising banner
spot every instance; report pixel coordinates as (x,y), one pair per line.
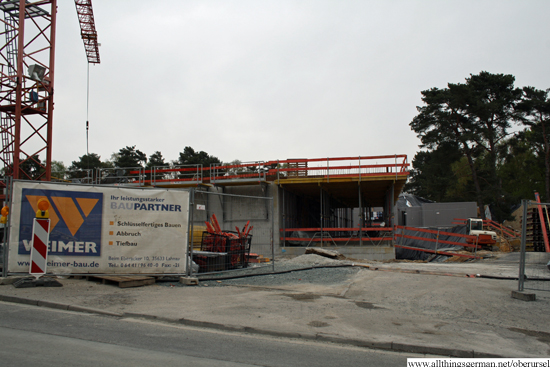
(107,230)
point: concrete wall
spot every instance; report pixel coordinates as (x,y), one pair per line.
(444,214)
(234,206)
(411,216)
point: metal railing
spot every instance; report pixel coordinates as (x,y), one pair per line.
(121,176)
(85,176)
(258,171)
(251,171)
(181,174)
(340,167)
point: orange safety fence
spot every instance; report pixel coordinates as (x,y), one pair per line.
(504,229)
(488,223)
(438,233)
(436,240)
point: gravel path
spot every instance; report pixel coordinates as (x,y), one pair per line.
(294,271)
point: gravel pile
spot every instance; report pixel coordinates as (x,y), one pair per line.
(313,260)
(312,276)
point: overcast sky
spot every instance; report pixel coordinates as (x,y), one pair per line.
(261,80)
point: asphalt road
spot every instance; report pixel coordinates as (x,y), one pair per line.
(35,336)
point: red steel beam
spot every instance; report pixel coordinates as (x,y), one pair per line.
(451,234)
(542,223)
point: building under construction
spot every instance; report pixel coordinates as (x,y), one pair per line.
(345,203)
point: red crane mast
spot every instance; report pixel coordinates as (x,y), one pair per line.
(27,87)
(27,83)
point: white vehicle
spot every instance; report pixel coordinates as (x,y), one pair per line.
(475,228)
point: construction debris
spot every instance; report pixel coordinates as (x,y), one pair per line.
(331,254)
(524,296)
(189,281)
(32,282)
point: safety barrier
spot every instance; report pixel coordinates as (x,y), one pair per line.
(400,233)
(6,183)
(505,231)
(342,236)
(258,171)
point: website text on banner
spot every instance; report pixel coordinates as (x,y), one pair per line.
(102,230)
(478,362)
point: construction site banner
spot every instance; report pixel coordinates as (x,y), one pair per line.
(102,230)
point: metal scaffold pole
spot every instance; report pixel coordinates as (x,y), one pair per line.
(273,234)
(190,230)
(361,218)
(521,278)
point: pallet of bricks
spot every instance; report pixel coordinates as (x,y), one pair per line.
(534,235)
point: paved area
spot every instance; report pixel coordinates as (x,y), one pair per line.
(456,309)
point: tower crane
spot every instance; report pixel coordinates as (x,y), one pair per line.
(27,61)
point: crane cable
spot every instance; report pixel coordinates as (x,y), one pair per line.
(87,109)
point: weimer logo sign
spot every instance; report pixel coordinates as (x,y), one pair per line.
(76,219)
(93,231)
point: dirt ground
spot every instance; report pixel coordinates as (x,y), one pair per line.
(451,306)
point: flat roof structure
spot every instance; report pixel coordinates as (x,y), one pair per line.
(348,190)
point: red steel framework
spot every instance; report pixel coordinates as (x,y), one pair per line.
(27,82)
(87,29)
(27,88)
